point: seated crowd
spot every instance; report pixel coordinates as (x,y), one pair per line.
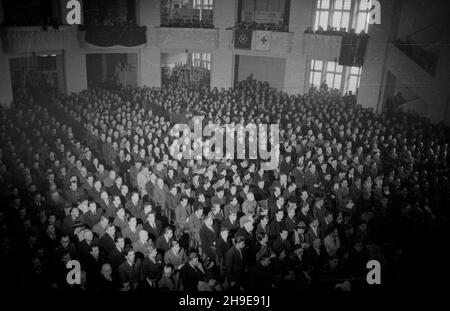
(89,177)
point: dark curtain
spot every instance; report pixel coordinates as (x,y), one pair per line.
(116,35)
(353,49)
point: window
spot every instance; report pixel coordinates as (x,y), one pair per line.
(362,15)
(334,75)
(203,5)
(341,14)
(348,14)
(342,78)
(315,77)
(354,77)
(202,60)
(322,14)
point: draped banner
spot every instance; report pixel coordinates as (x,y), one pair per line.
(243,39)
(262,40)
(116,35)
(353,49)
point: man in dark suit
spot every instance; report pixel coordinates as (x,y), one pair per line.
(235,263)
(117,255)
(153,226)
(250,243)
(163,242)
(107,240)
(92,216)
(191,273)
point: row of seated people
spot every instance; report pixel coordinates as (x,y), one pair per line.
(334,31)
(182,23)
(262,26)
(89,176)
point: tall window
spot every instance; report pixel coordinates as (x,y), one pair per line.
(315,76)
(203,5)
(202,60)
(339,14)
(342,78)
(362,15)
(322,14)
(333,76)
(354,77)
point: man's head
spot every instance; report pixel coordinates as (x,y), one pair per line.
(168,232)
(240,242)
(143,236)
(119,241)
(129,255)
(107,271)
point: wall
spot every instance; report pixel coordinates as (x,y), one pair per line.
(149,58)
(173,58)
(417,15)
(268,69)
(6,94)
(300,19)
(371,87)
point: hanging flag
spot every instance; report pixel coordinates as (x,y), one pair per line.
(243,39)
(262,40)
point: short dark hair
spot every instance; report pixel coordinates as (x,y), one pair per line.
(240,239)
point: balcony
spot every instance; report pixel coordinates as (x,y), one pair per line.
(189,38)
(321,46)
(35,38)
(112,36)
(280,45)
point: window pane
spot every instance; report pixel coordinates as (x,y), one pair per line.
(318,65)
(345,20)
(323,20)
(329,79)
(364,5)
(331,66)
(348,4)
(324,4)
(317,79)
(352,83)
(339,68)
(337,16)
(337,82)
(338,4)
(354,70)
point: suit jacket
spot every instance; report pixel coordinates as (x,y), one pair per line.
(222,248)
(128,233)
(162,244)
(98,229)
(190,277)
(170,257)
(90,219)
(134,209)
(310,236)
(153,233)
(181,214)
(235,265)
(194,224)
(207,238)
(116,258)
(107,244)
(249,250)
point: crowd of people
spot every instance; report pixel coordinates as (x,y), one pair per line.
(89,177)
(262,26)
(333,31)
